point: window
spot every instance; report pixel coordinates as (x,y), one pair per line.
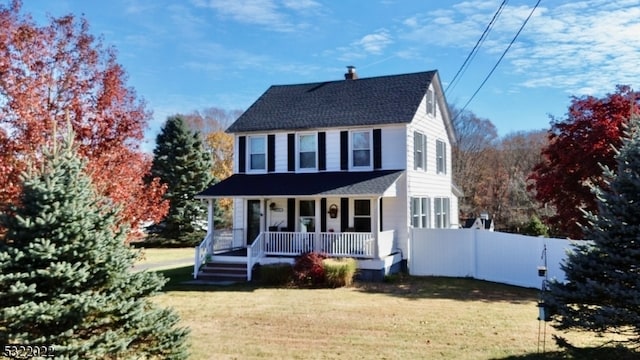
(441,157)
(257,153)
(362,215)
(419,151)
(420,212)
(361,148)
(307,216)
(307,150)
(431,103)
(441,208)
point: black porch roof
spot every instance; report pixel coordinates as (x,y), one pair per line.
(339,183)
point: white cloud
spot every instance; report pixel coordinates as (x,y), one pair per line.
(375,43)
(270,14)
(588,45)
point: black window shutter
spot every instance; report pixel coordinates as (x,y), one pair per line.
(242,153)
(323,215)
(344,214)
(381,216)
(291,214)
(271,153)
(291,152)
(322,151)
(377,148)
(344,150)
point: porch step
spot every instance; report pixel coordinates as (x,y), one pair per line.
(218,271)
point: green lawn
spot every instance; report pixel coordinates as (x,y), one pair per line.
(407,318)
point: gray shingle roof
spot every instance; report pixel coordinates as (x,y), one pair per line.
(305,184)
(380,100)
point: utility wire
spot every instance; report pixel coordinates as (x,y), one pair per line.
(474,51)
(501,57)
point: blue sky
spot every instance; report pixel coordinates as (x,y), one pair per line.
(188,55)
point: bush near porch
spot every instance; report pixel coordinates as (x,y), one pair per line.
(310,270)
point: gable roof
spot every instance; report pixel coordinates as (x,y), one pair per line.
(338,183)
(391,99)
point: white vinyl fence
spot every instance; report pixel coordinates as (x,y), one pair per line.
(485,255)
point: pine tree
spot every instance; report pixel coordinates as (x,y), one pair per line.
(65,272)
(181,162)
(602,291)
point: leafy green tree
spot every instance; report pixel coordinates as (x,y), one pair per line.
(602,291)
(65,272)
(535,227)
(181,162)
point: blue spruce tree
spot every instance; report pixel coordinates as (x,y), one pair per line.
(602,291)
(65,273)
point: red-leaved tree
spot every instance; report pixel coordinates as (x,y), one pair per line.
(57,75)
(577,146)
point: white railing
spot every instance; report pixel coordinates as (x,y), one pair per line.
(351,244)
(205,248)
(254,252)
(289,243)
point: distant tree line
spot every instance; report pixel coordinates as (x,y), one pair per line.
(493,173)
(539,182)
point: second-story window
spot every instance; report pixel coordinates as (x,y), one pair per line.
(257,153)
(441,157)
(307,151)
(419,151)
(431,102)
(361,148)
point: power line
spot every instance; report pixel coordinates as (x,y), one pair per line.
(501,57)
(474,51)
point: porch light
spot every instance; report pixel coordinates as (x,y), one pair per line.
(333,211)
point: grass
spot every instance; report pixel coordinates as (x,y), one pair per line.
(154,256)
(405,318)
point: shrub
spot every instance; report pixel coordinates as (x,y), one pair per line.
(339,272)
(308,269)
(276,274)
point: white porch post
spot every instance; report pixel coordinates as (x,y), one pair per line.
(375,227)
(210,223)
(316,236)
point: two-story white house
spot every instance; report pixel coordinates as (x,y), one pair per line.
(342,167)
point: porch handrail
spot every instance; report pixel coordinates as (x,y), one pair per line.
(201,252)
(254,252)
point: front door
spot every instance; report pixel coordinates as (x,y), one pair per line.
(253,220)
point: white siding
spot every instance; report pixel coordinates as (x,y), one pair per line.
(333,150)
(393,144)
(429,183)
(281,152)
(395,215)
(238,213)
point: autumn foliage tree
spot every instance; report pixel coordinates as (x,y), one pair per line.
(59,73)
(212,123)
(578,146)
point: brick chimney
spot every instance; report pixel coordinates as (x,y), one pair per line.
(351,73)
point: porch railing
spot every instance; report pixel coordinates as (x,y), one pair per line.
(226,240)
(254,252)
(352,244)
(205,248)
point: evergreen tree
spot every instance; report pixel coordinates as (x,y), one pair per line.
(602,291)
(181,162)
(65,273)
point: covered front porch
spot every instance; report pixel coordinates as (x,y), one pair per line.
(279,226)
